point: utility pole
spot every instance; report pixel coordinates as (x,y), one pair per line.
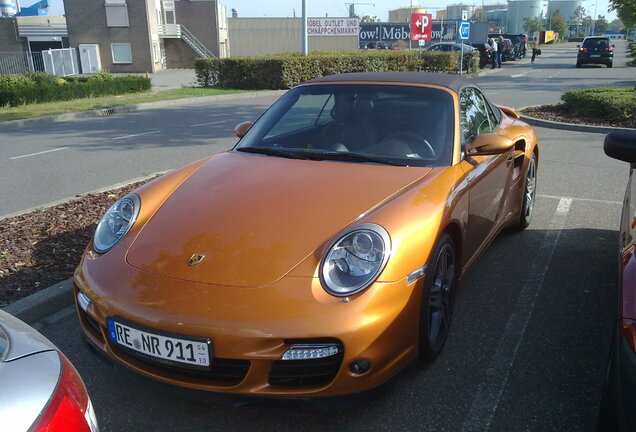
(305,49)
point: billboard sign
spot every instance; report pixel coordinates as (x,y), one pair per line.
(383,32)
(333,26)
(421,26)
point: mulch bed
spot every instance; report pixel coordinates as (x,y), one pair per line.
(42,248)
(558,113)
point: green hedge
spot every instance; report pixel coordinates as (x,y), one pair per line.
(40,87)
(609,103)
(288,70)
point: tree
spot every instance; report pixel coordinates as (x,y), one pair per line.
(617,25)
(558,24)
(369,19)
(577,17)
(601,25)
(531,25)
(626,11)
(587,24)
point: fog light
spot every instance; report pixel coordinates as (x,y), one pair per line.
(360,366)
(308,352)
(83,301)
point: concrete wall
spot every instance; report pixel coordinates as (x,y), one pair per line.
(178,54)
(86,22)
(260,36)
(10,40)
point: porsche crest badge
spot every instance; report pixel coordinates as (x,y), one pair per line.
(195,259)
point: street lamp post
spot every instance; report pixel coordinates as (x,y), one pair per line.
(305,49)
(594,18)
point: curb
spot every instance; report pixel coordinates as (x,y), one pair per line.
(11,124)
(570,126)
(43,303)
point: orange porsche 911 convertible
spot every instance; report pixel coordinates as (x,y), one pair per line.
(322,253)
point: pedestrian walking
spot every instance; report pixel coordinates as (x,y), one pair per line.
(535,49)
(491,46)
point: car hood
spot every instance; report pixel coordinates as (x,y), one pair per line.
(254,218)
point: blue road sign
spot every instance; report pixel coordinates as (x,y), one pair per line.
(464,30)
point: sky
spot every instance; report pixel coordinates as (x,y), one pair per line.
(337,8)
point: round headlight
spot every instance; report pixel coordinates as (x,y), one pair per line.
(116,223)
(355,260)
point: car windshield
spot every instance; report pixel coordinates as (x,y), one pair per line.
(386,124)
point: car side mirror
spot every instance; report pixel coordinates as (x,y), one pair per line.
(613,45)
(241,129)
(621,145)
(489,144)
(578,46)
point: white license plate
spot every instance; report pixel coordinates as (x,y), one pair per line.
(595,55)
(160,346)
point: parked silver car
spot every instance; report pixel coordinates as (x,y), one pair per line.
(40,390)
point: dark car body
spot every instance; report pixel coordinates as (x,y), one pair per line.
(618,409)
(519,44)
(450,46)
(595,50)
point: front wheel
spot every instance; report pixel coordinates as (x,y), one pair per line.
(529,193)
(438,298)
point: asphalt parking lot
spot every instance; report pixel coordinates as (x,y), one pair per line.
(527,348)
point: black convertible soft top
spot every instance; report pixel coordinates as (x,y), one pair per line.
(453,82)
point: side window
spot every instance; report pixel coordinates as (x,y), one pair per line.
(473,115)
(492,118)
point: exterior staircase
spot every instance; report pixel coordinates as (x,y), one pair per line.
(179,31)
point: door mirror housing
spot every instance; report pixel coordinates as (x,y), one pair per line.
(621,145)
(241,129)
(489,144)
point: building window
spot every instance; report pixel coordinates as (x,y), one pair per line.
(121,52)
(116,15)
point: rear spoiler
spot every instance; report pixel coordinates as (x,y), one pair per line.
(508,110)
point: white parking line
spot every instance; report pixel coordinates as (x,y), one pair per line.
(136,135)
(581,199)
(205,124)
(39,153)
(520,75)
(490,390)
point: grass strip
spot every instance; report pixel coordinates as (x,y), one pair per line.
(61,107)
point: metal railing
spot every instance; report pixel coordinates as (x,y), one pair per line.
(42,30)
(20,62)
(180,31)
(195,44)
(62,62)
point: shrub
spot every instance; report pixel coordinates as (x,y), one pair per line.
(39,87)
(287,70)
(609,103)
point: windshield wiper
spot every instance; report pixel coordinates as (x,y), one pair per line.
(353,157)
(272,152)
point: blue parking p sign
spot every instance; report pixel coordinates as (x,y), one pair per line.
(464,30)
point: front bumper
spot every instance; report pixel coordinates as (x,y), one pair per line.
(250,329)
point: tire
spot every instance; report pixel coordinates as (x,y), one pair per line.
(609,65)
(438,298)
(578,64)
(529,194)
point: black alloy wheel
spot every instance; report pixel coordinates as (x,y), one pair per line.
(438,299)
(529,194)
